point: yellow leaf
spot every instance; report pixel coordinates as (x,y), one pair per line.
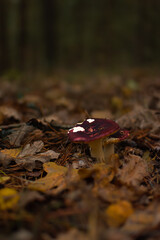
(118,213)
(4,179)
(104,173)
(12,152)
(100,172)
(56,179)
(8,198)
(51,167)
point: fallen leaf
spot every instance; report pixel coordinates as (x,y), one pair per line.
(11,152)
(28,156)
(31,149)
(64,102)
(133,170)
(138,222)
(30,162)
(8,198)
(101,114)
(101,172)
(56,179)
(18,134)
(103,176)
(7,155)
(9,112)
(117,214)
(27,197)
(139,118)
(113,193)
(4,179)
(142,220)
(50,154)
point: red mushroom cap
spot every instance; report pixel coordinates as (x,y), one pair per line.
(92,129)
(119,136)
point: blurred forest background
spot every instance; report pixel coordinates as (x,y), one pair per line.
(42,35)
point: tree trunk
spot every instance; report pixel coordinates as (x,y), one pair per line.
(4,57)
(50,21)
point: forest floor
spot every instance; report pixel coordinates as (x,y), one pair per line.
(52,188)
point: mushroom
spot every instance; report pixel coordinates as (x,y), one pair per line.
(100,134)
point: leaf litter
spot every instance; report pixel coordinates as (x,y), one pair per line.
(51,188)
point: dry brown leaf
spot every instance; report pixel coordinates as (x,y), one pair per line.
(113,193)
(56,179)
(18,134)
(9,112)
(143,220)
(50,154)
(30,162)
(139,117)
(7,155)
(11,152)
(27,197)
(101,114)
(28,157)
(118,213)
(4,159)
(31,149)
(138,222)
(133,171)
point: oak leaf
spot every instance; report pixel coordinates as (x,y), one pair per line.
(7,155)
(102,173)
(28,156)
(133,171)
(11,152)
(56,180)
(18,134)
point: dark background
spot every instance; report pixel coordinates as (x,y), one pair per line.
(43,35)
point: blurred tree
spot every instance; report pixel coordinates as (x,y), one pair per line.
(4,55)
(148,33)
(42,34)
(50,33)
(22,34)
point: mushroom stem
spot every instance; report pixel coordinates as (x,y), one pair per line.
(108,151)
(96,149)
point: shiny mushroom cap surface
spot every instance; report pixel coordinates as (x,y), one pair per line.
(95,128)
